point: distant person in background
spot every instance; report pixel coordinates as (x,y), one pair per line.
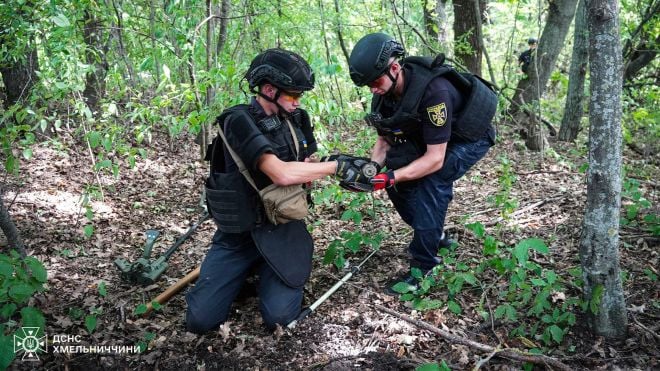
(527,56)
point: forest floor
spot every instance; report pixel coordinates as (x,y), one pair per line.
(350,330)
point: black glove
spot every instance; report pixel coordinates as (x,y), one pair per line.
(354,172)
(367,167)
(349,171)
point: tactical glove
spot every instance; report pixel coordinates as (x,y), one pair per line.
(369,168)
(354,172)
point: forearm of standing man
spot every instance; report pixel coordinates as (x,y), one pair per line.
(380,150)
(430,162)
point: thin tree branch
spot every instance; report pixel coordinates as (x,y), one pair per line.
(510,353)
(481,44)
(656,336)
(396,12)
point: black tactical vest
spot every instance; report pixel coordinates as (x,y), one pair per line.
(231,200)
(473,120)
(275,130)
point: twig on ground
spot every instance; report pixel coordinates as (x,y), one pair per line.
(510,353)
(645,328)
(483,212)
(525,209)
(483,361)
(535,172)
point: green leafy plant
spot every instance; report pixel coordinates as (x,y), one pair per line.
(20,279)
(90,322)
(75,313)
(142,308)
(506,181)
(357,205)
(103,291)
(349,242)
(451,276)
(634,203)
(442,366)
(527,293)
(143,344)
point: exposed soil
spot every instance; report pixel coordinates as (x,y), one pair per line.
(348,331)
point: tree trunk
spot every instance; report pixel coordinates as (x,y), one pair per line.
(122,50)
(95,56)
(9,229)
(435,22)
(530,89)
(20,77)
(340,35)
(344,49)
(573,110)
(205,130)
(535,140)
(443,20)
(599,252)
(467,26)
(225,8)
(430,24)
(479,5)
(155,52)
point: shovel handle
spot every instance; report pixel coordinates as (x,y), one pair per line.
(173,290)
(181,239)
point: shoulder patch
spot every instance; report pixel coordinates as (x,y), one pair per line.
(437,114)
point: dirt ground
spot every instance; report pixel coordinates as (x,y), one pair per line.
(349,331)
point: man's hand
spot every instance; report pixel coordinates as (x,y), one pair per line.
(369,168)
(351,176)
(354,172)
(382,180)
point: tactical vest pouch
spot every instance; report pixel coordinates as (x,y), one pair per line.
(233,209)
(284,204)
(478,111)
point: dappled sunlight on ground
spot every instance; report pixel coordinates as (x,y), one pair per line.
(61,202)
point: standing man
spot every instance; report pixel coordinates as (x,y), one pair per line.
(527,56)
(261,134)
(429,135)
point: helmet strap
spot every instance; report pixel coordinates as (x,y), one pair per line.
(392,88)
(282,112)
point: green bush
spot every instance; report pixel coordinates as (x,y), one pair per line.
(20,279)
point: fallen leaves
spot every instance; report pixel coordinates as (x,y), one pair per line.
(163,192)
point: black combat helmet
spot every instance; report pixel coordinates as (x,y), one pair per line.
(282,68)
(371,55)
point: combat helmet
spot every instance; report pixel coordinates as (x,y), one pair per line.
(281,68)
(371,55)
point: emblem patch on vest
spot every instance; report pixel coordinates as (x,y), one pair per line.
(437,114)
